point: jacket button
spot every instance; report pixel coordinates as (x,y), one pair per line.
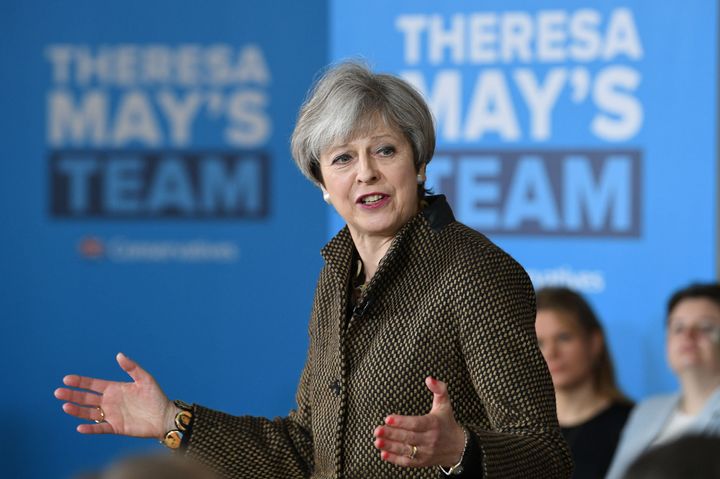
(335,386)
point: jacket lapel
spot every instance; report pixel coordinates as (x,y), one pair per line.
(708,421)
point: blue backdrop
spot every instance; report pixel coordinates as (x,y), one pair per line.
(150,204)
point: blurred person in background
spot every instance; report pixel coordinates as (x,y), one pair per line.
(422,357)
(591,408)
(693,353)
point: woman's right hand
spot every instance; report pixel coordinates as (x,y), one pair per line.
(138,408)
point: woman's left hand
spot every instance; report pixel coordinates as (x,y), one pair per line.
(437,438)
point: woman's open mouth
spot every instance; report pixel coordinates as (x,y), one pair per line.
(373,200)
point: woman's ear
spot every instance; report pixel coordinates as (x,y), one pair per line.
(326,195)
(421,177)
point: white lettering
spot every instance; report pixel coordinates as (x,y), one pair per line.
(625,111)
(491,109)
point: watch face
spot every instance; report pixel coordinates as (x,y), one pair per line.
(183,420)
(173,439)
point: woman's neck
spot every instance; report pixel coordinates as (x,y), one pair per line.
(371,250)
(696,388)
(579,403)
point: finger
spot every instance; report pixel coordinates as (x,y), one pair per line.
(409,423)
(441,400)
(132,368)
(82,382)
(102,428)
(87,413)
(398,435)
(397,448)
(401,460)
(78,397)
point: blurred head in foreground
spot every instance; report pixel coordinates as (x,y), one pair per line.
(154,466)
(688,457)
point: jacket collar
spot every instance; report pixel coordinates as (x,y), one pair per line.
(339,251)
(711,411)
(437,213)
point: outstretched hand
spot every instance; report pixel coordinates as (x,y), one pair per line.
(437,438)
(138,408)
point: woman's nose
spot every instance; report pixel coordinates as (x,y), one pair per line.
(367,169)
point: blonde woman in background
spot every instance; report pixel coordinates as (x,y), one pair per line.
(591,408)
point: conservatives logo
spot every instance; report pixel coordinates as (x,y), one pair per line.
(91,247)
(158,131)
(126,250)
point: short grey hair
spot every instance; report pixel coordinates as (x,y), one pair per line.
(343,103)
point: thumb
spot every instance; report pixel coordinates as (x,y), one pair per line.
(132,368)
(441,400)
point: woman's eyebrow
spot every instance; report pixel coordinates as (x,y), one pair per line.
(385,135)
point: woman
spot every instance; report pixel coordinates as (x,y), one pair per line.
(591,409)
(693,352)
(422,353)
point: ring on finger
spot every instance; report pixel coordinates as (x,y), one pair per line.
(413,451)
(102,415)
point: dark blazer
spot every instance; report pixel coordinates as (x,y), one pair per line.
(445,302)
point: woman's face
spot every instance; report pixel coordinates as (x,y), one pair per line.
(568,351)
(372,181)
(693,337)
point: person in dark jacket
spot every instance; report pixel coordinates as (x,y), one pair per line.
(422,358)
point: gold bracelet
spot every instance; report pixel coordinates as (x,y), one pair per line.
(173,438)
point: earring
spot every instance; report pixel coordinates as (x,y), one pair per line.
(326,197)
(420,179)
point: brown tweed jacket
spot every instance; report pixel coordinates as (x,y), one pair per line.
(445,302)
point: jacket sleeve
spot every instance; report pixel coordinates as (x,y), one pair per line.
(509,374)
(246,446)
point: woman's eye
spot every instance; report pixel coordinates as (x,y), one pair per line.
(340,159)
(386,151)
(677,329)
(708,329)
(564,337)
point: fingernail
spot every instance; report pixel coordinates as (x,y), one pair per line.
(384,455)
(389,421)
(380,432)
(380,443)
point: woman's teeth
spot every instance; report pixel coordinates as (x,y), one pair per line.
(372,199)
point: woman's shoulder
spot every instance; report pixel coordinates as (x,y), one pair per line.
(450,232)
(657,401)
(472,247)
(652,409)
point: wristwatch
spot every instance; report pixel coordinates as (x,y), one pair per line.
(457,469)
(173,438)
